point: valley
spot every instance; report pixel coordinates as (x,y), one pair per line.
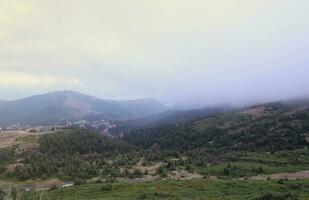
(154,100)
(262,149)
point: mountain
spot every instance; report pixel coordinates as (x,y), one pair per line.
(1,101)
(60,106)
(170,117)
(267,127)
(127,125)
(189,115)
(141,107)
(183,106)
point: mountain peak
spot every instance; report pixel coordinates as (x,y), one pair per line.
(67,92)
(68,105)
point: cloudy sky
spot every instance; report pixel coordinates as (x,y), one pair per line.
(193,51)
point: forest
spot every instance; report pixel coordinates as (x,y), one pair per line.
(259,141)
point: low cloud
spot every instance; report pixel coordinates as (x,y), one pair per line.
(200,51)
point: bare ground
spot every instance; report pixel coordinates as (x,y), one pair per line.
(183,175)
(33,184)
(256,112)
(11,138)
(292,176)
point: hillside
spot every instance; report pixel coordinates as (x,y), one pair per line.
(269,127)
(189,115)
(57,107)
(263,146)
(169,117)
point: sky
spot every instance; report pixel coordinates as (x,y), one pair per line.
(189,51)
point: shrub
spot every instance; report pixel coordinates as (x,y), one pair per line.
(106,187)
(162,172)
(271,196)
(142,196)
(281,181)
(79,181)
(53,187)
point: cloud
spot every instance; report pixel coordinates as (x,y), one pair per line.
(25,80)
(200,50)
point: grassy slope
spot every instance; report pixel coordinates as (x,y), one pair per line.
(190,189)
(279,162)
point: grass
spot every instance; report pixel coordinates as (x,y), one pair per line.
(250,169)
(189,189)
(28,139)
(247,163)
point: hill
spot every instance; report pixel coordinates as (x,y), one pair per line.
(268,127)
(57,107)
(189,115)
(263,144)
(169,117)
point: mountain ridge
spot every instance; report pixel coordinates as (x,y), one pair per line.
(67,105)
(267,127)
(170,117)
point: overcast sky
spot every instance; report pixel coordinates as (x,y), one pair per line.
(192,51)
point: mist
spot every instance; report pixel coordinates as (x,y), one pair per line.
(192,52)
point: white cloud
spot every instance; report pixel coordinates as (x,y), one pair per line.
(26,80)
(23,80)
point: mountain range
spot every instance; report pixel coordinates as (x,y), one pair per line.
(61,106)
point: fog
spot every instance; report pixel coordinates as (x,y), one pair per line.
(177,51)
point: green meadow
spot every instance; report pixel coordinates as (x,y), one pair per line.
(185,189)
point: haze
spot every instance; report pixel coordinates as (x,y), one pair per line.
(195,52)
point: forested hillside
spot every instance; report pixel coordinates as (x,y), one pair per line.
(259,142)
(269,127)
(169,117)
(70,154)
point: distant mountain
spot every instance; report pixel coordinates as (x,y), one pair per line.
(1,101)
(170,117)
(141,107)
(127,125)
(57,107)
(183,107)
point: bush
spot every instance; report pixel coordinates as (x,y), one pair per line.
(136,174)
(110,180)
(79,181)
(53,187)
(271,196)
(98,181)
(162,194)
(2,194)
(142,196)
(106,187)
(162,172)
(281,181)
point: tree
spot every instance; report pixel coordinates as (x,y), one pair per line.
(13,193)
(2,194)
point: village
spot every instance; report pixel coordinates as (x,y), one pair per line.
(102,127)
